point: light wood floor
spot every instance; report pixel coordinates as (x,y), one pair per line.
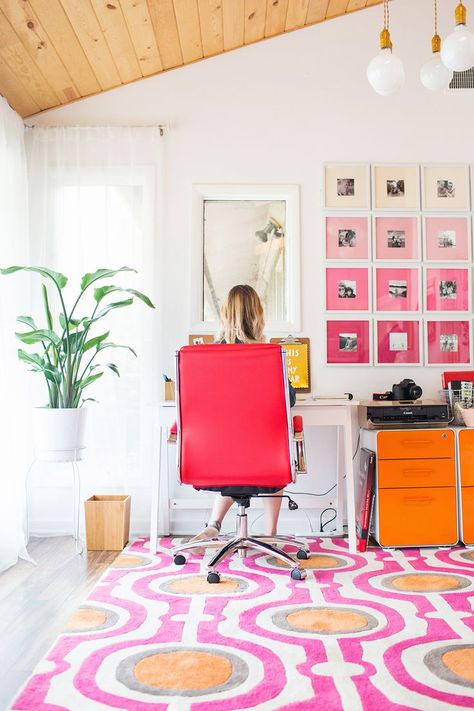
(37,601)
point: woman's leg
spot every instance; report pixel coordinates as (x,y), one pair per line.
(219,509)
(271,511)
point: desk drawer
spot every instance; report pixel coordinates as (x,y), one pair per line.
(467,509)
(395,473)
(466,457)
(415,444)
(417,517)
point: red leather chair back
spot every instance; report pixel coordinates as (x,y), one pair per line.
(233,416)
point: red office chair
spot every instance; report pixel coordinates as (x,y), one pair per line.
(234,436)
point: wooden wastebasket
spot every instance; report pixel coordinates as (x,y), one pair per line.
(107,522)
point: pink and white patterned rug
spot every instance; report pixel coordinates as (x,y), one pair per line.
(378,631)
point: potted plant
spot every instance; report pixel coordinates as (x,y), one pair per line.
(66,349)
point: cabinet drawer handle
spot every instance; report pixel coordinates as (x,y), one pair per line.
(418,499)
(417,442)
(418,472)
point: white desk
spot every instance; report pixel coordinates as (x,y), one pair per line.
(316,413)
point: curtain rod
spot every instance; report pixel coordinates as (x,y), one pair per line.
(163,127)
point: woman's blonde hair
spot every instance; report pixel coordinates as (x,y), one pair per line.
(242,316)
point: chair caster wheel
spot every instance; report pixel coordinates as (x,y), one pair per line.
(213,577)
(179,559)
(302,554)
(298,574)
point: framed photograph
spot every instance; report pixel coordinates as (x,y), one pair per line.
(445,187)
(398,342)
(348,342)
(245,234)
(346,186)
(198,339)
(297,361)
(397,289)
(447,289)
(447,238)
(448,343)
(396,238)
(396,187)
(347,289)
(347,237)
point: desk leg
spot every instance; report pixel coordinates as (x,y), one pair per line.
(155,498)
(349,466)
(164,510)
(340,494)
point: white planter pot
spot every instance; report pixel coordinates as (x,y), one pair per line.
(59,434)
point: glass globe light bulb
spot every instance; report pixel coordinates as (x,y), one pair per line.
(385,73)
(434,75)
(457,51)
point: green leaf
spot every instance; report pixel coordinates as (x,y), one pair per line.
(41,334)
(103,291)
(47,310)
(31,358)
(73,322)
(91,277)
(81,384)
(74,342)
(103,346)
(27,320)
(111,366)
(95,341)
(59,279)
(112,306)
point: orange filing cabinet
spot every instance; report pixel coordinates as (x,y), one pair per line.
(415,486)
(466,484)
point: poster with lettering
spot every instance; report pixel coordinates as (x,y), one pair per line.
(297,361)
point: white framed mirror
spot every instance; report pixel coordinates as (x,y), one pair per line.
(246,234)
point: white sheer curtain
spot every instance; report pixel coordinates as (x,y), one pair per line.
(94,202)
(13,302)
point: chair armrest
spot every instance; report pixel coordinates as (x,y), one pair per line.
(298,436)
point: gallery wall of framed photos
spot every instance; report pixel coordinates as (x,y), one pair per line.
(398,264)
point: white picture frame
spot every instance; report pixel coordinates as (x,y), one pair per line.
(396,187)
(453,365)
(445,188)
(346,320)
(440,222)
(346,186)
(247,196)
(400,318)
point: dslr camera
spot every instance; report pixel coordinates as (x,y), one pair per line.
(406,389)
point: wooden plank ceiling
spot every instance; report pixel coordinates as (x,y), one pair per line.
(53,52)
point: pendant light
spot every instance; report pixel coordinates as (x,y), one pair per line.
(385,72)
(434,74)
(457,51)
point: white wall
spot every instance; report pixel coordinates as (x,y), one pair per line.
(275,112)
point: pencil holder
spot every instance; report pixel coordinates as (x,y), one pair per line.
(169,390)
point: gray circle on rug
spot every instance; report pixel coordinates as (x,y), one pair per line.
(311,563)
(125,672)
(111,619)
(460,580)
(434,662)
(468,555)
(280,619)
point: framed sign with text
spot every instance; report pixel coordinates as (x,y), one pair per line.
(297,361)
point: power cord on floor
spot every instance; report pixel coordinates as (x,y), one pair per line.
(321,524)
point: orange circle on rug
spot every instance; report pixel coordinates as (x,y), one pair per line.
(314,561)
(183,670)
(86,618)
(129,561)
(425,582)
(198,584)
(460,662)
(322,620)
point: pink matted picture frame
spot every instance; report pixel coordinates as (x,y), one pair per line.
(347,289)
(447,289)
(446,238)
(397,289)
(347,237)
(398,342)
(348,342)
(448,343)
(396,237)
